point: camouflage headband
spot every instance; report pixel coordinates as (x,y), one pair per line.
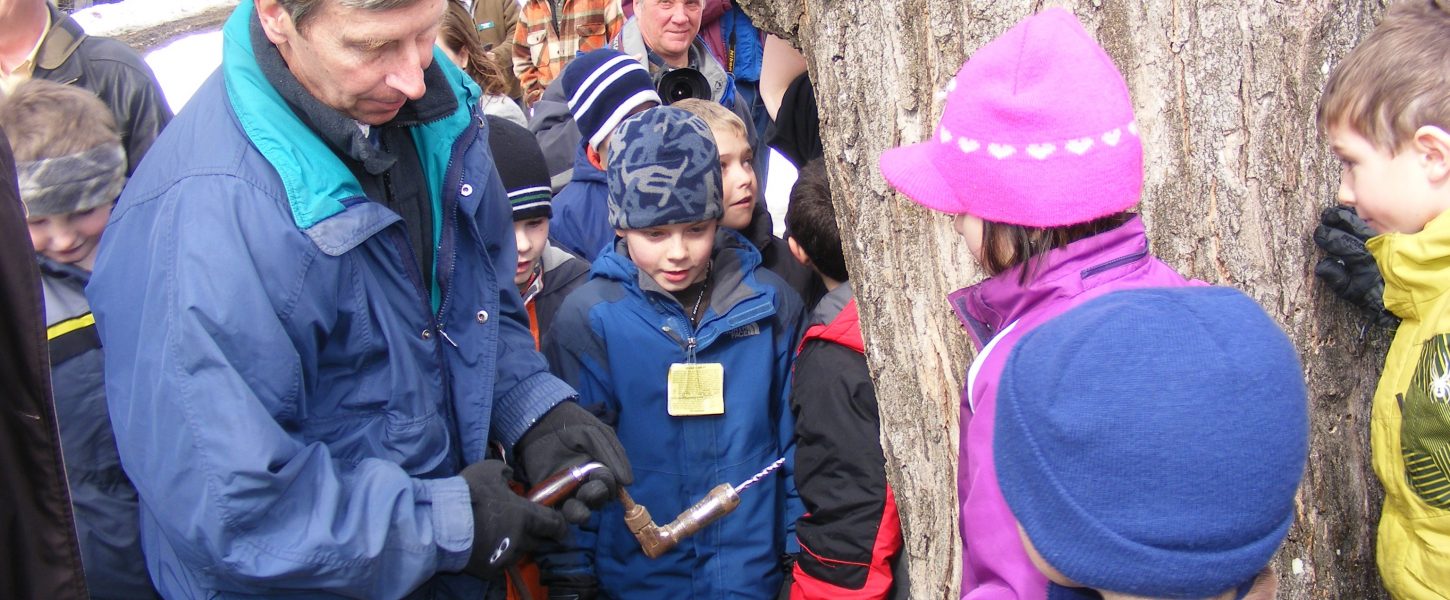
(71,183)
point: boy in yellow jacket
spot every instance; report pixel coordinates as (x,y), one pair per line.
(1386,112)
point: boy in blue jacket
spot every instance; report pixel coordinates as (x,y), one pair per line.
(678,298)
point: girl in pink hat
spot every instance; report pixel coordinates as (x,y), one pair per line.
(1038,158)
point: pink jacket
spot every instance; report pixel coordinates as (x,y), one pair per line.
(998,312)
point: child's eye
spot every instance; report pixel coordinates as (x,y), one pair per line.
(83,213)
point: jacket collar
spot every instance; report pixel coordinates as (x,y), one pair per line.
(1414,266)
(318,185)
(986,307)
(58,44)
(734,258)
(835,320)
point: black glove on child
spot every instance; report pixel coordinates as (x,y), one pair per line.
(505,525)
(568,436)
(1349,270)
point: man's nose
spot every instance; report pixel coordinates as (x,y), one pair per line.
(407,73)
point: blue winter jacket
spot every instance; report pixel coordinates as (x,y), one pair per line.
(290,402)
(581,211)
(615,339)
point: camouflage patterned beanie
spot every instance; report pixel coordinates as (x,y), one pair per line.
(663,169)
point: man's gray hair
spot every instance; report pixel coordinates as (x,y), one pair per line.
(300,10)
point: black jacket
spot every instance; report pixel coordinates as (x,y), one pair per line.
(850,536)
(39,557)
(114,72)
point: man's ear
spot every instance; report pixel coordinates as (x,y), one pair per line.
(798,252)
(1432,144)
(276,21)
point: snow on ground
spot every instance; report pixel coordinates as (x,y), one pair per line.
(182,65)
(134,15)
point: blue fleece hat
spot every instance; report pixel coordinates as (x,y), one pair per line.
(663,169)
(602,87)
(1150,442)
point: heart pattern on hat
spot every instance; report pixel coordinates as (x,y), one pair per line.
(1001,151)
(1041,151)
(1038,150)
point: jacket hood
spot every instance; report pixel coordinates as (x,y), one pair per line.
(1414,266)
(845,330)
(988,306)
(316,180)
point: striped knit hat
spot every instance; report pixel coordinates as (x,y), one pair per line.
(602,87)
(521,166)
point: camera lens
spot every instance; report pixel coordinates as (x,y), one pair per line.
(678,84)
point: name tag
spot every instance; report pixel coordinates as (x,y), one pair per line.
(696,389)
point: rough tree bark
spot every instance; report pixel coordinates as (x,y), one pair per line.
(1236,174)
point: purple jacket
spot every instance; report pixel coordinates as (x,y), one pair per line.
(998,312)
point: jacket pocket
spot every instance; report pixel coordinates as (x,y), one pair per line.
(1425,424)
(536,40)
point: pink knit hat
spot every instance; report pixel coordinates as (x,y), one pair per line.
(1037,130)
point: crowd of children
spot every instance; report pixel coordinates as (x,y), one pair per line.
(1126,432)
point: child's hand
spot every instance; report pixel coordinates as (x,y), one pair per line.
(1348,269)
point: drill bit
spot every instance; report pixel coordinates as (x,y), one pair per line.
(761,475)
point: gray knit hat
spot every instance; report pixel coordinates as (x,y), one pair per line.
(663,169)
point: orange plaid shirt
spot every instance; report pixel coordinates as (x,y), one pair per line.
(541,50)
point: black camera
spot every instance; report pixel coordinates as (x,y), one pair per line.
(678,84)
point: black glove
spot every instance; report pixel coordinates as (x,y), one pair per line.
(570,587)
(505,525)
(1349,270)
(568,436)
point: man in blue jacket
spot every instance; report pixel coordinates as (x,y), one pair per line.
(313,337)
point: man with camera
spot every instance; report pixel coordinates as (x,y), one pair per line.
(665,36)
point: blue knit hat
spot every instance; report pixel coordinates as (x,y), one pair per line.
(663,169)
(603,86)
(522,169)
(1150,442)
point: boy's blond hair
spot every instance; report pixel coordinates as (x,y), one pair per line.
(1397,80)
(45,119)
(715,115)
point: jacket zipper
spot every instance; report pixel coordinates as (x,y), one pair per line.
(1117,262)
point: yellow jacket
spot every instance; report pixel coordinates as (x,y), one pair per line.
(1410,428)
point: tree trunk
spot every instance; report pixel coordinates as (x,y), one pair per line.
(1236,173)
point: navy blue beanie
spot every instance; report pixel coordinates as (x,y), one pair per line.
(664,168)
(522,169)
(602,87)
(1150,442)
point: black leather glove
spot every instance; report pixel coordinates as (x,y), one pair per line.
(570,587)
(1348,269)
(569,436)
(505,525)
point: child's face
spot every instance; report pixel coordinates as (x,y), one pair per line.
(675,256)
(71,238)
(970,228)
(531,235)
(738,176)
(1393,192)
